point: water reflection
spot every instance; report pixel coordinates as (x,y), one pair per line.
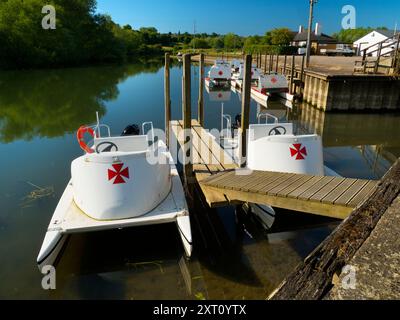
(51,103)
(363,145)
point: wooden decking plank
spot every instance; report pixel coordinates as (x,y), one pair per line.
(272,185)
(218,152)
(315,188)
(363,194)
(206,155)
(203,155)
(227,183)
(267,181)
(335,194)
(221,176)
(257,180)
(234,182)
(351,192)
(327,189)
(294,186)
(296,193)
(284,185)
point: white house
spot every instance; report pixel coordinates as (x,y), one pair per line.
(375,37)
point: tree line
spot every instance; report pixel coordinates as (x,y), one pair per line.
(83,36)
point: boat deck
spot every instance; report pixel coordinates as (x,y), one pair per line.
(75,221)
(209,158)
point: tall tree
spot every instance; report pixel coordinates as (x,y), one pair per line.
(281,36)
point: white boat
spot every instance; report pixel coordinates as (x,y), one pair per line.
(219,74)
(270,85)
(118,184)
(219,94)
(235,65)
(274,147)
(259,96)
(237,76)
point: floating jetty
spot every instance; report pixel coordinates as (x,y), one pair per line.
(224,183)
(368,208)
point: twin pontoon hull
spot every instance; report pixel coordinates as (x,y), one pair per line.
(69,219)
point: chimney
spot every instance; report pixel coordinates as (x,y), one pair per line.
(301,29)
(318,29)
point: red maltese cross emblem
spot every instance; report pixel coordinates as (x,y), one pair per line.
(298,151)
(118,174)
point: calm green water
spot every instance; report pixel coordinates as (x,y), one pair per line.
(39,113)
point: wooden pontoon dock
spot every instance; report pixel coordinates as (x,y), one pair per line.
(367,239)
(223,182)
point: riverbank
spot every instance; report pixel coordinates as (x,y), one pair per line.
(360,259)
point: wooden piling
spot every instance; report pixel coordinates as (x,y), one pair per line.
(303,60)
(246,96)
(277,63)
(187,118)
(265,62)
(271,61)
(379,58)
(201,91)
(292,74)
(167,98)
(284,65)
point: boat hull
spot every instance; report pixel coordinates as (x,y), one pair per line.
(69,219)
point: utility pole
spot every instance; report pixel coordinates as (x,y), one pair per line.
(194,35)
(310,25)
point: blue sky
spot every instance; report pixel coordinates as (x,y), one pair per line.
(246,17)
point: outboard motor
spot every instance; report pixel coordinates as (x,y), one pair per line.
(237,124)
(131,130)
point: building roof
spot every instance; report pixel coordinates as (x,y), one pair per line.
(323,38)
(383,32)
(387,33)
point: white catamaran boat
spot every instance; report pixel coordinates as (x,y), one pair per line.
(274,147)
(118,184)
(270,85)
(219,74)
(219,94)
(238,75)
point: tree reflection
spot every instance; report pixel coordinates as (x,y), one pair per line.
(51,103)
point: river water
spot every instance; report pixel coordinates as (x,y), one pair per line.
(39,114)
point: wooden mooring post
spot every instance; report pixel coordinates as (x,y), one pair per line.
(303,60)
(284,65)
(201,91)
(187,119)
(292,74)
(245,122)
(265,62)
(167,98)
(271,62)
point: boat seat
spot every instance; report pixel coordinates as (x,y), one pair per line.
(258,131)
(126,144)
